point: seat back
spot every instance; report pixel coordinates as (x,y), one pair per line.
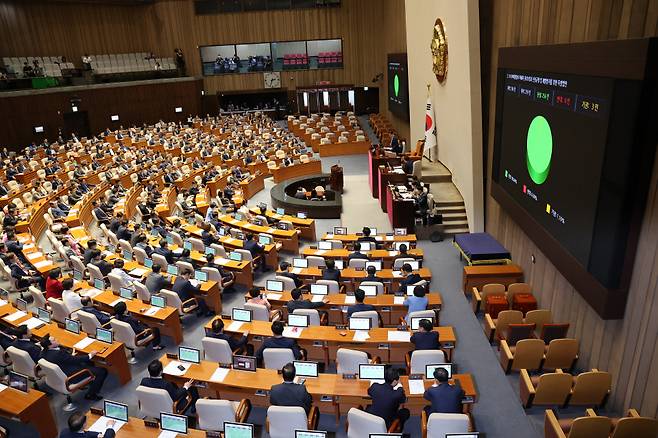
(125,246)
(60,312)
(173,300)
(88,321)
(213,274)
(288,283)
(378,284)
(631,427)
(554,331)
(197,244)
(116,282)
(420,358)
(142,292)
(590,427)
(259,311)
(357,263)
(77,263)
(22,361)
(332,285)
(362,423)
(217,350)
(561,353)
(160,260)
(184,265)
(492,289)
(94,272)
(246,255)
(284,420)
(348,361)
(398,263)
(372,314)
(538,317)
(429,314)
(528,354)
(38,297)
(516,332)
(220,251)
(438,425)
(276,358)
(213,413)
(518,288)
(591,388)
(553,389)
(123,332)
(54,376)
(139,255)
(313,315)
(315,261)
(152,401)
(507,317)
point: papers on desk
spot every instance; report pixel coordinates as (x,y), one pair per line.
(234,326)
(296,271)
(100,425)
(390,238)
(222,260)
(194,282)
(28,246)
(372,382)
(350,299)
(3,303)
(42,264)
(397,336)
(270,230)
(320,251)
(83,343)
(378,238)
(392,253)
(34,255)
(32,323)
(330,236)
(361,335)
(292,332)
(317,298)
(3,387)
(167,434)
(151,311)
(14,316)
(172,368)
(91,293)
(219,375)
(416,386)
(117,301)
(398,301)
(397,274)
(274,297)
(137,272)
(401,188)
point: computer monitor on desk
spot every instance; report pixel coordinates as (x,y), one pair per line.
(173,423)
(372,371)
(357,323)
(274,285)
(115,410)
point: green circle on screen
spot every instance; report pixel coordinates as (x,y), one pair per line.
(396,85)
(539,149)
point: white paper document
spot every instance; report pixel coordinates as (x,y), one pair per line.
(91,293)
(137,272)
(42,263)
(320,251)
(33,322)
(14,316)
(416,386)
(219,374)
(372,382)
(100,425)
(297,271)
(151,311)
(234,326)
(397,274)
(292,332)
(34,255)
(390,238)
(83,343)
(172,368)
(361,335)
(394,335)
(274,297)
(392,253)
(167,434)
(317,298)
(329,236)
(398,300)
(350,299)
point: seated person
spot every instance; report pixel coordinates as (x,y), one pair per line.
(88,306)
(300,193)
(97,260)
(256,297)
(371,272)
(418,301)
(126,279)
(156,281)
(206,236)
(54,287)
(387,398)
(164,251)
(410,277)
(278,341)
(24,342)
(366,237)
(217,332)
(227,276)
(77,422)
(72,301)
(185,290)
(255,248)
(283,272)
(70,365)
(356,253)
(298,302)
(141,330)
(330,272)
(23,278)
(445,398)
(359,297)
(185,257)
(425,338)
(178,395)
(289,393)
(404,253)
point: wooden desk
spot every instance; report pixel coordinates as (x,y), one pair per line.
(350,276)
(336,308)
(31,408)
(305,226)
(349,148)
(386,178)
(380,238)
(135,428)
(288,238)
(322,342)
(375,159)
(479,275)
(401,211)
(252,185)
(341,394)
(378,254)
(283,173)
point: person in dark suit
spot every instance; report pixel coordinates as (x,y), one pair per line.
(404,253)
(396,146)
(185,290)
(206,236)
(387,398)
(278,341)
(217,332)
(88,306)
(77,423)
(410,277)
(372,274)
(23,278)
(283,272)
(164,251)
(23,342)
(97,260)
(359,296)
(366,236)
(178,395)
(103,218)
(115,223)
(89,252)
(123,233)
(255,248)
(356,253)
(70,365)
(156,281)
(330,272)
(298,302)
(137,326)
(289,393)
(445,398)
(407,166)
(227,276)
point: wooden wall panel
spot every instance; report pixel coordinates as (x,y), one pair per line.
(627,348)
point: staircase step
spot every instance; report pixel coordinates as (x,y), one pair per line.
(454,217)
(453,232)
(455,225)
(447,209)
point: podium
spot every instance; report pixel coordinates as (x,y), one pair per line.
(336,178)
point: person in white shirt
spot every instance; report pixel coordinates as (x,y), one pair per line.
(126,280)
(72,300)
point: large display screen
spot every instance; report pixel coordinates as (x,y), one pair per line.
(553,140)
(398,85)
